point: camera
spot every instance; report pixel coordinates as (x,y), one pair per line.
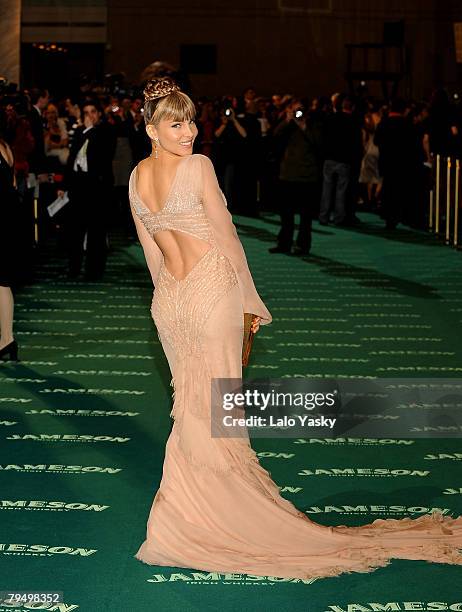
(228,112)
(298,114)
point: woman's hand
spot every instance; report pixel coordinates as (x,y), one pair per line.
(255,324)
(60,193)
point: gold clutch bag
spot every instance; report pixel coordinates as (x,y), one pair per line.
(248,337)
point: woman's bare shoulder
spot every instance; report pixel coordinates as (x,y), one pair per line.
(141,164)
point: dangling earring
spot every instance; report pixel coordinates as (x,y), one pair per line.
(156,155)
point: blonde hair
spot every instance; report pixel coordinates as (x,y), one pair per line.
(163,99)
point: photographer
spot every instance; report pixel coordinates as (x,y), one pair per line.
(122,162)
(139,140)
(230,149)
(298,139)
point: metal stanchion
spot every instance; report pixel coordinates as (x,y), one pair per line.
(453,165)
(437,197)
(36,199)
(448,199)
(430,212)
(456,207)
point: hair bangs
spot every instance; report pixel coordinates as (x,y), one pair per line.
(177,106)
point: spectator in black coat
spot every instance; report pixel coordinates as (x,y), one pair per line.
(400,163)
(342,153)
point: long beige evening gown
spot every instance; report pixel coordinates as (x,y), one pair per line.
(217,509)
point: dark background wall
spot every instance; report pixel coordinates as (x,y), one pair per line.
(280,45)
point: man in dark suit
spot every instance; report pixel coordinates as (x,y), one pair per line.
(89,181)
(400,163)
(37,174)
(39,99)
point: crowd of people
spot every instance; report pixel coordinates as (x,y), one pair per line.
(322,158)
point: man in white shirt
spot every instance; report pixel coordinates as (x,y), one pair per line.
(89,180)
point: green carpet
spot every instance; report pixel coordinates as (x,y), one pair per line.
(85,417)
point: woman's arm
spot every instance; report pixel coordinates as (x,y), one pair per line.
(8,155)
(219,131)
(46,139)
(240,128)
(364,137)
(426,148)
(63,131)
(227,239)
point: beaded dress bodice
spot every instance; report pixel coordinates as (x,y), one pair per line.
(183,210)
(195,206)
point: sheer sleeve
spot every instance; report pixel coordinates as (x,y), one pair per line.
(152,253)
(226,237)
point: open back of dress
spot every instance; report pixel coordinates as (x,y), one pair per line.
(182,215)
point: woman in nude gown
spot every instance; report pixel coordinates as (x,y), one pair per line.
(217,509)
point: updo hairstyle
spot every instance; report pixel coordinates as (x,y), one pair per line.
(163,99)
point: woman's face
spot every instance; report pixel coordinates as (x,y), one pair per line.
(277,100)
(71,109)
(51,113)
(176,137)
(10,111)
